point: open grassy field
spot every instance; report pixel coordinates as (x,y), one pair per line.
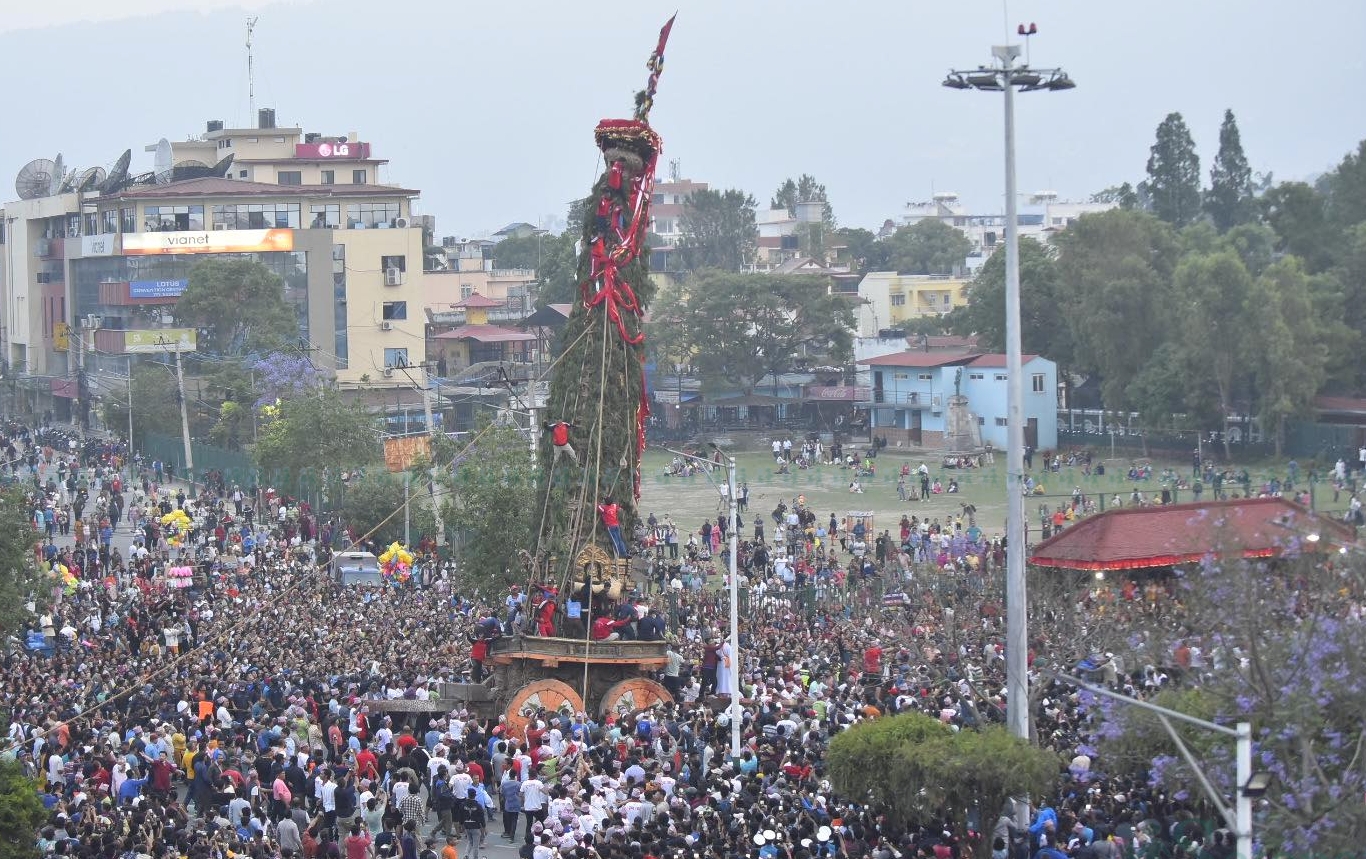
(690,499)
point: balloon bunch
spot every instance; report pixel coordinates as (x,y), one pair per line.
(396,563)
(63,574)
(178,524)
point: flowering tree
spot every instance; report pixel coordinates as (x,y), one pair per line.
(1278,643)
(284,376)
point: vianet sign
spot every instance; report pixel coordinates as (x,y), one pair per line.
(215,242)
(331,150)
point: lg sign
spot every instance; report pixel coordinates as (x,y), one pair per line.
(331,150)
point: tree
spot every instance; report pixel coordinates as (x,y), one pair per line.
(805,189)
(1043,311)
(21,812)
(1229,201)
(1123,196)
(1174,173)
(862,249)
(929,246)
(373,505)
(1345,189)
(1291,357)
(751,326)
(156,406)
(492,507)
(718,230)
(556,270)
(1215,312)
(1299,216)
(309,437)
(1115,269)
(20,578)
(916,771)
(1279,654)
(240,307)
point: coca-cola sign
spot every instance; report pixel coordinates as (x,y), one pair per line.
(330,150)
(840,393)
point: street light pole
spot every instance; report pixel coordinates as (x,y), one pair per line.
(1240,817)
(736,713)
(1005,78)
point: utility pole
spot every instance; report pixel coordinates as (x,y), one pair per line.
(129,457)
(736,714)
(184,416)
(251,78)
(407,524)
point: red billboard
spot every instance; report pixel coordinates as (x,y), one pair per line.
(332,151)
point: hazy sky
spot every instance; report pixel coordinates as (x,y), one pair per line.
(489,107)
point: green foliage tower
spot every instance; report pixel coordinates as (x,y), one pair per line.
(1230,194)
(1174,173)
(599,381)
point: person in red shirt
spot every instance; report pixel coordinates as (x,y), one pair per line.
(406,741)
(367,765)
(559,439)
(872,660)
(610,512)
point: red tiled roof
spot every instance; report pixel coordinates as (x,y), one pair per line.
(917,358)
(1131,538)
(216,187)
(486,334)
(475,300)
(1340,404)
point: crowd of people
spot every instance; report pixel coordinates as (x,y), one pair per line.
(239,711)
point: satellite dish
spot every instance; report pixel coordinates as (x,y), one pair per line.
(190,169)
(58,174)
(118,174)
(222,167)
(162,166)
(90,179)
(35,179)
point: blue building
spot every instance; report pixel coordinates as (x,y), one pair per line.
(909,393)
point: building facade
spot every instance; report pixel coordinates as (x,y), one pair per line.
(888,299)
(92,276)
(909,393)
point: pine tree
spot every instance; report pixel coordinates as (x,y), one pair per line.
(1230,193)
(1174,173)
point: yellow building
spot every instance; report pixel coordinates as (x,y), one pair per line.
(888,299)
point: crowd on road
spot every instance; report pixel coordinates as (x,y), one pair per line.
(235,712)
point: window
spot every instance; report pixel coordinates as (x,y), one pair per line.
(901,377)
(357,177)
(289,177)
(981,421)
(1036,383)
(898,301)
(109,221)
(465,291)
(925,377)
(340,344)
(128,220)
(396,357)
(73,226)
(329,177)
(91,227)
(657,199)
(1001,377)
(256,216)
(325,216)
(225,143)
(395,310)
(1000,422)
(975,377)
(399,262)
(371,215)
(946,298)
(241,174)
(172,218)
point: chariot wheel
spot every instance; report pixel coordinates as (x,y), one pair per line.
(553,696)
(633,695)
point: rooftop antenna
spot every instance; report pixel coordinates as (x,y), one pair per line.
(251,78)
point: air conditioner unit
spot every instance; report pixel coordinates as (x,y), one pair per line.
(393,277)
(386,325)
(400,223)
(388,372)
